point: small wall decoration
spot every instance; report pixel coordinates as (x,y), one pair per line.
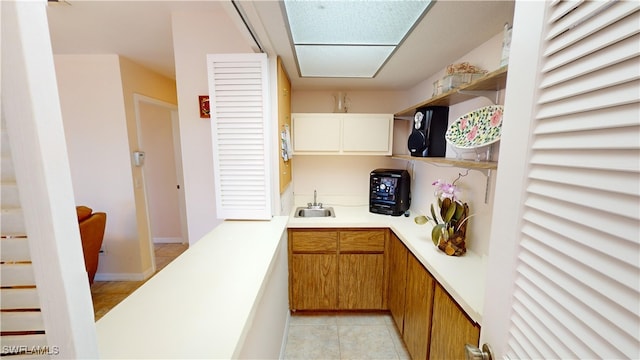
(205,111)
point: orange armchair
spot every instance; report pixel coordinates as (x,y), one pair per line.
(92,226)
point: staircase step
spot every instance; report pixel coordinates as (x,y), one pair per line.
(12,221)
(9,196)
(17,275)
(20,298)
(30,341)
(5,149)
(14,249)
(7,172)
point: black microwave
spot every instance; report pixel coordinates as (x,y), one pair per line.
(389,191)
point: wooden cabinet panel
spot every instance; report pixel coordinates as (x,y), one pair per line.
(362,241)
(313,241)
(361,281)
(397,280)
(418,309)
(450,328)
(284,121)
(314,281)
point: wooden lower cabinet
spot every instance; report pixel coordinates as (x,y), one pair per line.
(432,324)
(397,280)
(418,309)
(361,281)
(361,269)
(313,281)
(337,269)
(313,269)
(371,269)
(450,328)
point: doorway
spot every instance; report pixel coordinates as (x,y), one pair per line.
(158,138)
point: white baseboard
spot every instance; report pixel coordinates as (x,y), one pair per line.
(168,240)
(148,273)
(285,336)
(124,276)
(119,277)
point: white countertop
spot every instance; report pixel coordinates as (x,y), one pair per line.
(462,277)
(200,305)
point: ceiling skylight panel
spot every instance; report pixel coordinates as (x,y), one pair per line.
(349,38)
(350,61)
(352,22)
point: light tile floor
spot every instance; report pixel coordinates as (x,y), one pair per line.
(108,294)
(344,336)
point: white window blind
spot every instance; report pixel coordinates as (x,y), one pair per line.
(238,92)
(577,287)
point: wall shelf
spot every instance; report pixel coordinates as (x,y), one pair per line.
(485,167)
(468,164)
(487,86)
(492,82)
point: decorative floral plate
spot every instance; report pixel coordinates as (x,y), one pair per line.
(477,128)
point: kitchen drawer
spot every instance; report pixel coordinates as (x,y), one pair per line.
(303,241)
(370,241)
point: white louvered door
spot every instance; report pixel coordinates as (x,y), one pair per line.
(239,98)
(564,270)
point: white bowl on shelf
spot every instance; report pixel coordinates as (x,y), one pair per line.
(475,131)
(482,153)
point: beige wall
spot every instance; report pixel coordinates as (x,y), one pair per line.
(194,36)
(486,56)
(100,132)
(346,177)
(386,102)
(98,147)
(137,79)
(339,179)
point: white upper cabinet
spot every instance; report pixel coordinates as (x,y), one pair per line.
(342,133)
(367,133)
(316,133)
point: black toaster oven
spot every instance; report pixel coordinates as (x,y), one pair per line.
(390,191)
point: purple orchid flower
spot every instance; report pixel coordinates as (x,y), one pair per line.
(446,190)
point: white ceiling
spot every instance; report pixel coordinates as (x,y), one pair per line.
(141,31)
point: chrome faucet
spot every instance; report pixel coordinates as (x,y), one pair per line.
(315,204)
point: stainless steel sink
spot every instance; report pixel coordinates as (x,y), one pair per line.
(314,212)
